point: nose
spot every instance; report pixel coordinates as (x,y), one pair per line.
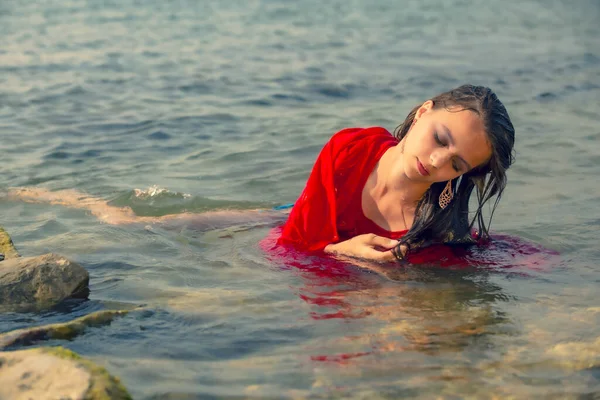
(439,158)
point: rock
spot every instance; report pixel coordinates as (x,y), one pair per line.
(42,280)
(55,373)
(7,248)
(64,331)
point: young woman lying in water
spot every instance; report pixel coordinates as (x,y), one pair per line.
(379,196)
(375,195)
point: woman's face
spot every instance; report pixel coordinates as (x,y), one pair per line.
(442,145)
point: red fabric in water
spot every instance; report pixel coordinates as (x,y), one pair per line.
(502,251)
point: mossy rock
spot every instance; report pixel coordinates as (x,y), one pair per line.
(55,373)
(62,331)
(44,280)
(7,247)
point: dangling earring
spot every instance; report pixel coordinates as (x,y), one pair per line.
(446,196)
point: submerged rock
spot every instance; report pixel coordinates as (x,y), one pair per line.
(64,331)
(7,247)
(55,373)
(45,279)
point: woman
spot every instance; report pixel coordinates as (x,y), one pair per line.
(373,195)
(377,196)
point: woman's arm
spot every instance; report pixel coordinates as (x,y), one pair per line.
(368,246)
(124,215)
(74,199)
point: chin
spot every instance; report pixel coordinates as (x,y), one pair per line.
(413,174)
(416,176)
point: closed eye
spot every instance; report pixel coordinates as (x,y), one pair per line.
(455,166)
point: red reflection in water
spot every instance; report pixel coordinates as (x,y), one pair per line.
(338,291)
(339,358)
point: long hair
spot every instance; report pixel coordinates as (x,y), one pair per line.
(451,225)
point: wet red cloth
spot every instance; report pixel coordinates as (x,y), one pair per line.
(329,210)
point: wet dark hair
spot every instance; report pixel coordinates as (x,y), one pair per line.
(451,225)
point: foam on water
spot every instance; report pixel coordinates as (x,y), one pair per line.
(154,191)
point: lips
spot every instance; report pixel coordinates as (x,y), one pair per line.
(422,170)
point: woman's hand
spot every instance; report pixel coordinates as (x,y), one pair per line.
(368,246)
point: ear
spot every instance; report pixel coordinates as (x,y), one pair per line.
(425,107)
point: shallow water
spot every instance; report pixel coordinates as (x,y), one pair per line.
(226,106)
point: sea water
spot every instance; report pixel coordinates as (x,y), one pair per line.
(174,107)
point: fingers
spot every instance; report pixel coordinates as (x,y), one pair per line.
(381,241)
(377,255)
(386,256)
(367,255)
(368,246)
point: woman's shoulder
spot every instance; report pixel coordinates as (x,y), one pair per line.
(357,134)
(357,147)
(360,139)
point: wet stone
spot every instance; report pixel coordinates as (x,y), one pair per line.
(55,373)
(46,279)
(7,247)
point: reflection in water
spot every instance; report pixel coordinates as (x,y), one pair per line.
(422,331)
(420,319)
(424,310)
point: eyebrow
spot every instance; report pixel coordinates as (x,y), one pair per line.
(451,139)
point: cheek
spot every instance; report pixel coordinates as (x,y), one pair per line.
(481,159)
(417,143)
(481,151)
(448,175)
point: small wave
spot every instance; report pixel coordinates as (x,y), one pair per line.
(153,201)
(154,191)
(156,201)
